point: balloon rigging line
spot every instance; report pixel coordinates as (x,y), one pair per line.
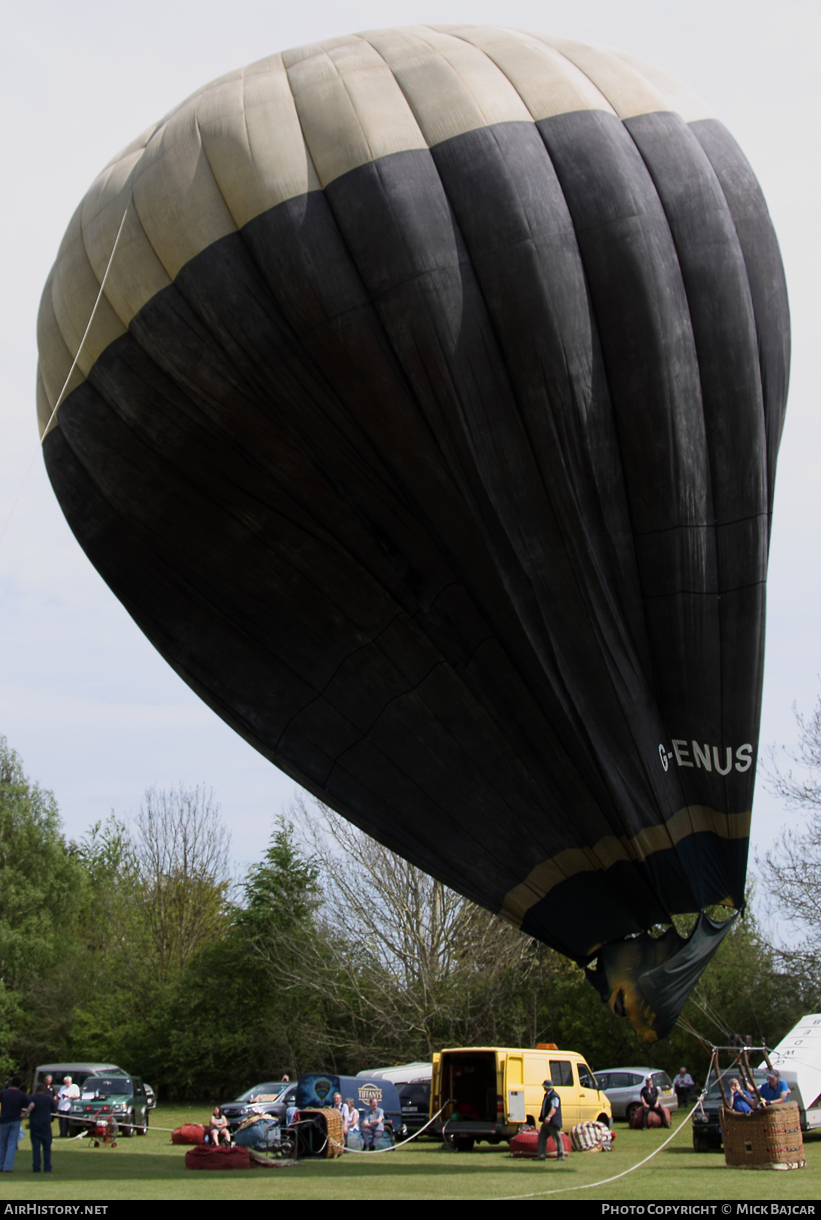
(540,1194)
(90,320)
(70,371)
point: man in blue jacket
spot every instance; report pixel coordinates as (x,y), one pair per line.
(550,1117)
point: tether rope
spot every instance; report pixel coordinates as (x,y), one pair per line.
(393,1147)
(560,1190)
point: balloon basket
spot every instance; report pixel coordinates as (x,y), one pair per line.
(766,1139)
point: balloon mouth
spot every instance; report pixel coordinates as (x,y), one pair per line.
(647,980)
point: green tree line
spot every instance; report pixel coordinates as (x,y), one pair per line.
(134,946)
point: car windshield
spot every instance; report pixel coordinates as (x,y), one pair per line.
(269,1088)
(106,1086)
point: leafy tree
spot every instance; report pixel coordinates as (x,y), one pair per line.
(40,888)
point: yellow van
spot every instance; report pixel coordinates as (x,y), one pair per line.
(489,1092)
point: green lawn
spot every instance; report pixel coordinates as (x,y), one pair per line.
(153,1168)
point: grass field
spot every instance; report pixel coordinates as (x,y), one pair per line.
(153,1168)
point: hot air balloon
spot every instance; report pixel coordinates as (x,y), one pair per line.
(426,422)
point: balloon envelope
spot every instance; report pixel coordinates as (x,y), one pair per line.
(427,425)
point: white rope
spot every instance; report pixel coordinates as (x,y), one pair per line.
(539,1194)
(70,371)
(393,1148)
(90,320)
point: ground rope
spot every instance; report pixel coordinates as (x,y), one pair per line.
(560,1190)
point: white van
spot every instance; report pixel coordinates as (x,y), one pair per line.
(402,1073)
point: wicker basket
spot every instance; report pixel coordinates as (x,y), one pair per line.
(333,1127)
(765,1139)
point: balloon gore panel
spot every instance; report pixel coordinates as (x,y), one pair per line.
(448,485)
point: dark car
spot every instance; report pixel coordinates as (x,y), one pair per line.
(415,1101)
(122,1098)
(271,1097)
(707,1115)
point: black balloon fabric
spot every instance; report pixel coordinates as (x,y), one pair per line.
(427,426)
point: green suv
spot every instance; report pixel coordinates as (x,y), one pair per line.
(122,1097)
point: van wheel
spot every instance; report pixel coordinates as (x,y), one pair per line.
(631,1110)
(604,1119)
(701,1143)
(460,1143)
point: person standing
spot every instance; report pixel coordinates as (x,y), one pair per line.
(550,1117)
(41,1110)
(12,1103)
(683,1083)
(48,1082)
(65,1097)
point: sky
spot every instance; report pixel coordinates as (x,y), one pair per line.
(93,710)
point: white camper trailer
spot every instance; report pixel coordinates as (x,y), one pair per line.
(798,1059)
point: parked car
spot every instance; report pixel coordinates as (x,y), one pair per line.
(77,1071)
(151,1095)
(120,1096)
(271,1097)
(706,1116)
(623,1087)
(415,1101)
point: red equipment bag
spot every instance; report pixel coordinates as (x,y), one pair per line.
(189,1133)
(653,1119)
(526,1144)
(209,1156)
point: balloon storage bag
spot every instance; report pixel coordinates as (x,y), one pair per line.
(526,1144)
(592,1137)
(210,1156)
(653,1119)
(765,1139)
(189,1133)
(322,1135)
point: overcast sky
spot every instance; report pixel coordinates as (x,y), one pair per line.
(95,713)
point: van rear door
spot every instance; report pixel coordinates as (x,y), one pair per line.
(515,1089)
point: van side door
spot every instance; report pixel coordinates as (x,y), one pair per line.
(589,1102)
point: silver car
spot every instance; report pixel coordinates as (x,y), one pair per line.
(623,1085)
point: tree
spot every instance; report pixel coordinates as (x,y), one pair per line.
(401,965)
(180,854)
(162,890)
(40,889)
(792,868)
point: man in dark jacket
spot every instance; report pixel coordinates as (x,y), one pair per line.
(13,1102)
(41,1113)
(550,1117)
(650,1104)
